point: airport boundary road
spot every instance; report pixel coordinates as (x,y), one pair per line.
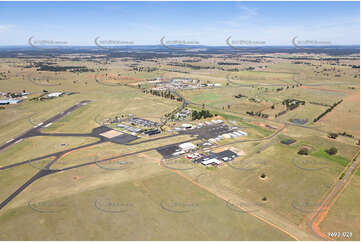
(326,205)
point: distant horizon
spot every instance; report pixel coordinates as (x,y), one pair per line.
(188,46)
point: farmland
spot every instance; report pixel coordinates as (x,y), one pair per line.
(81,169)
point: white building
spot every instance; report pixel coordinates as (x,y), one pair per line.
(187,147)
(242,133)
(55,94)
(11,101)
(211,161)
(212,140)
(179,153)
(226,136)
(187,126)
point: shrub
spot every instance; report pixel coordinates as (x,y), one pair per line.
(342,175)
(303,151)
(331,151)
(332,135)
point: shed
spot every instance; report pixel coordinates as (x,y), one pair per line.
(212,161)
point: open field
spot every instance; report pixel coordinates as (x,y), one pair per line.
(338,221)
(242,178)
(350,108)
(150,203)
(126,190)
(40,146)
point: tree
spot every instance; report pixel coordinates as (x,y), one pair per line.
(331,151)
(332,135)
(303,151)
(194,115)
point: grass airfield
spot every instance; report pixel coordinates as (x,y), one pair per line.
(142,199)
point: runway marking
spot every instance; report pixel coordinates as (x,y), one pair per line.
(18,141)
(48,125)
(9,140)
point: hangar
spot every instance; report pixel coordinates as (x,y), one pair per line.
(212,161)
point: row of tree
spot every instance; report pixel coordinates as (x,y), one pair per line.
(327,111)
(165,94)
(280,113)
(346,134)
(259,114)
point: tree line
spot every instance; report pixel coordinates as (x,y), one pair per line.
(327,111)
(165,94)
(201,114)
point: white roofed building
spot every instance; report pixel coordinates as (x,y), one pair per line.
(187,146)
(55,94)
(211,162)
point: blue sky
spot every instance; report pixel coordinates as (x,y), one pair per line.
(209,23)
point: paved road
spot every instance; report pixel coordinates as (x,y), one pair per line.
(56,155)
(158,138)
(38,175)
(36,129)
(43,171)
(47,169)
